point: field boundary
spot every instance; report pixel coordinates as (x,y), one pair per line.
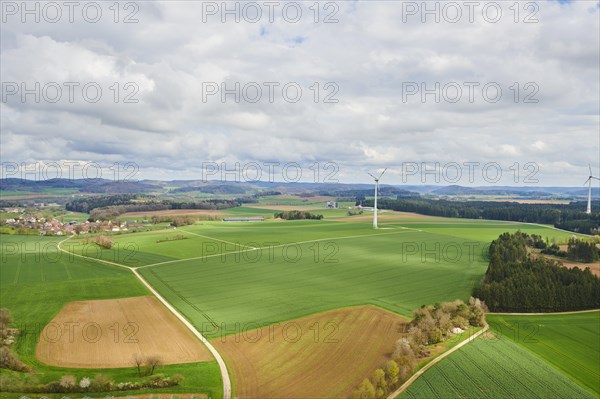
(214,239)
(421,371)
(215,353)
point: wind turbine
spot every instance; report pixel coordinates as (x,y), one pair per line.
(376,192)
(589,182)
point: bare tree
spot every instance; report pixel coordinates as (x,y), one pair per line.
(153,362)
(138,360)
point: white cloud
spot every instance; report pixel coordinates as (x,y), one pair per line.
(371,54)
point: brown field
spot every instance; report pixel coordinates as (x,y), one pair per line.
(594,267)
(286,207)
(27,196)
(324,356)
(144,326)
(164,396)
(171,212)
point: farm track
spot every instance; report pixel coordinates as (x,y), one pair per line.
(403,230)
(433,362)
(223,368)
(224,373)
(412,379)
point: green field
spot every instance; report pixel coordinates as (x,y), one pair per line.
(570,342)
(547,356)
(494,369)
(36,280)
(403,265)
(227,277)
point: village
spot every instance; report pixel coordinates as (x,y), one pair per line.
(26,223)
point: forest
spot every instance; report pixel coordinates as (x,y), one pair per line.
(570,217)
(515,281)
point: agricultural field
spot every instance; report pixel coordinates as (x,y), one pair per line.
(569,342)
(319,265)
(171,212)
(313,267)
(311,357)
(37,282)
(258,278)
(545,356)
(117,328)
(299,275)
(494,368)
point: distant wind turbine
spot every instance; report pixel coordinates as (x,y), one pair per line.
(589,182)
(376,193)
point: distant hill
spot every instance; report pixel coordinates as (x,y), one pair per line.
(81,185)
(105,186)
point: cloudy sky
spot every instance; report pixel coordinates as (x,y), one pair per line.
(343,87)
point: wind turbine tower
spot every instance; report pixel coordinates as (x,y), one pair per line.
(589,183)
(376,193)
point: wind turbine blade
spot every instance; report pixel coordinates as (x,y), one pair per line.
(592,177)
(589,178)
(382,173)
(590,166)
(372,176)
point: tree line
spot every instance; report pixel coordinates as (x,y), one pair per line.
(515,281)
(430,325)
(297,215)
(570,217)
(577,250)
(108,207)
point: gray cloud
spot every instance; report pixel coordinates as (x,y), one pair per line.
(371,54)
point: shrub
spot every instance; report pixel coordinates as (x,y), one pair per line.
(101,383)
(68,382)
(104,241)
(9,360)
(177,379)
(84,383)
(391,372)
(364,391)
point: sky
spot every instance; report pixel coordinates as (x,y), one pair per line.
(483,94)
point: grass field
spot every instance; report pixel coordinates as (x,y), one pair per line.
(569,342)
(489,368)
(37,280)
